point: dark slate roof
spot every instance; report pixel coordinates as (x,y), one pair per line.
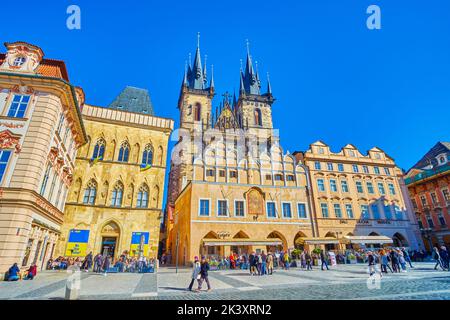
(430,156)
(134,100)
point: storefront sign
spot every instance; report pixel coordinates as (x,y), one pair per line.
(362,221)
(223,234)
(77,243)
(139,243)
(383,222)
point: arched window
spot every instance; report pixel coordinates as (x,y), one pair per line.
(124,152)
(258,117)
(117,195)
(147,155)
(142,198)
(99,149)
(90,193)
(197,112)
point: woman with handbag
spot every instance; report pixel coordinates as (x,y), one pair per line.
(195,273)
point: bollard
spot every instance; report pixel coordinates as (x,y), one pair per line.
(73,286)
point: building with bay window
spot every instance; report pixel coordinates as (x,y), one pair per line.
(41,131)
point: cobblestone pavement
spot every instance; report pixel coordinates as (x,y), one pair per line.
(340,282)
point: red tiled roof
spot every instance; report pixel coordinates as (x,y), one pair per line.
(49,68)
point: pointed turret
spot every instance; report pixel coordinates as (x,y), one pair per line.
(250,78)
(211,84)
(269,86)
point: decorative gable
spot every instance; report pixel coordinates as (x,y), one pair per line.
(22,57)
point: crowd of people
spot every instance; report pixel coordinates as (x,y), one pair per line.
(104,264)
(15,274)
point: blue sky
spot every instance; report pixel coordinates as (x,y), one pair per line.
(334,79)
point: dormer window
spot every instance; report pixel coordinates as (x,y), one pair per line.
(442,159)
(19,61)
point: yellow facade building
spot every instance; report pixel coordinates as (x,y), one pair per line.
(232,188)
(114,205)
(40,132)
(359,199)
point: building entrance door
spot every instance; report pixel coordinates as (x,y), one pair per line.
(109,246)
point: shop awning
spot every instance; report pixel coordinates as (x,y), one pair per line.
(368,239)
(242,242)
(318,240)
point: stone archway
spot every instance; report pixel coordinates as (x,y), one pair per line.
(110,239)
(399,240)
(277,235)
(298,244)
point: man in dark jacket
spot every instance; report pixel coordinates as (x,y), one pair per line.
(323,258)
(444,257)
(371,261)
(395,261)
(204,268)
(407,257)
(13,273)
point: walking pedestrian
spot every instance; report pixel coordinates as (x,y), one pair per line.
(394,261)
(204,268)
(407,256)
(438,259)
(401,260)
(286,261)
(106,265)
(270,263)
(252,259)
(445,257)
(263,263)
(323,258)
(87,263)
(371,261)
(195,272)
(384,259)
(308,260)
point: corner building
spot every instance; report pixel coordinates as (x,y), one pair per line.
(231,186)
(41,130)
(114,205)
(360,200)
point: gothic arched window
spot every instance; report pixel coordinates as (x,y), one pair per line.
(258,117)
(147,155)
(142,198)
(197,112)
(117,195)
(124,152)
(99,149)
(90,193)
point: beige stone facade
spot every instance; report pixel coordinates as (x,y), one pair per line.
(40,132)
(359,195)
(114,197)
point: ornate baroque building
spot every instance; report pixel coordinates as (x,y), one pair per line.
(232,188)
(428,183)
(115,202)
(40,132)
(359,199)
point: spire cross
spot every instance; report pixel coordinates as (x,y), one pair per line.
(190,58)
(198,39)
(241,63)
(226,96)
(248,46)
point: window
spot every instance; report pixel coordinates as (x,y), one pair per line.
(355,168)
(290,177)
(4,158)
(381,188)
(19,61)
(344,186)
(351,153)
(446,195)
(204,208)
(302,211)
(142,197)
(423,199)
(414,203)
(233,174)
(124,152)
(268,177)
(391,189)
(375,211)
(365,212)
(278,177)
(210,173)
(337,210)
(317,165)
(117,195)
(441,219)
(222,208)
(147,155)
(90,193)
(287,213)
(370,188)
(52,186)
(387,171)
(333,186)
(60,124)
(321,185)
(376,170)
(365,169)
(45,180)
(324,209)
(398,213)
(258,117)
(430,221)
(387,212)
(99,150)
(18,106)
(271,210)
(349,211)
(340,167)
(222,173)
(359,187)
(239,208)
(320,150)
(330,166)
(434,198)
(198,112)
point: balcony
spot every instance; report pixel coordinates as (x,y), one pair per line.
(436,205)
(427,174)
